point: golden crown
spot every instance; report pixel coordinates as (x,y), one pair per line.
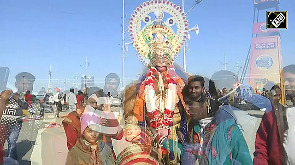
(157,40)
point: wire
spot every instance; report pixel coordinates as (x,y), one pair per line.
(246,64)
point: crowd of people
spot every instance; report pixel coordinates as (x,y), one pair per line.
(12,114)
(200,130)
(21,105)
(161,118)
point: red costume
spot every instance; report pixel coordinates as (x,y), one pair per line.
(72,128)
(268,148)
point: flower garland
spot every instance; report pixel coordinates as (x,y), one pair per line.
(161,107)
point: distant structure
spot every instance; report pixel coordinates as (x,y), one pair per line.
(50,83)
(89,81)
(264,55)
(224,79)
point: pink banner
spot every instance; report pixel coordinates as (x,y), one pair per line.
(260,27)
(265,61)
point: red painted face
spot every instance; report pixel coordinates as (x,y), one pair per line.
(161,67)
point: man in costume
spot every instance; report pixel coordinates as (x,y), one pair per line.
(160,91)
(209,135)
(136,144)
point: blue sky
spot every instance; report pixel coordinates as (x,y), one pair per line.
(35,34)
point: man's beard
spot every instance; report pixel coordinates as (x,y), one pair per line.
(196,98)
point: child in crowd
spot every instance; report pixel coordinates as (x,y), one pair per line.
(87,149)
(72,124)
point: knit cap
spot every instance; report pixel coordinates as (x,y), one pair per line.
(90,119)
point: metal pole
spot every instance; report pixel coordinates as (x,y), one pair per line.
(183,5)
(184,56)
(86,67)
(65,84)
(192,8)
(225,63)
(23,84)
(123,45)
(184,45)
(50,83)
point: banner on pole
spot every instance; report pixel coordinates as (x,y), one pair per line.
(260,28)
(265,4)
(265,61)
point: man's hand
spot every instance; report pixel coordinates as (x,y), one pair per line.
(103,121)
(5,95)
(67,120)
(180,136)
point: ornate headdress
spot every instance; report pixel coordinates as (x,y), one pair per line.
(157,41)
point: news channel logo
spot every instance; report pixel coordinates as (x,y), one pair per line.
(276,19)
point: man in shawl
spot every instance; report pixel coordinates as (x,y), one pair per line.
(209,135)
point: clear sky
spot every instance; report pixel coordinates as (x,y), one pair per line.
(37,33)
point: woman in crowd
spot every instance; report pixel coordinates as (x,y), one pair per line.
(72,126)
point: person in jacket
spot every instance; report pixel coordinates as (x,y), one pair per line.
(72,126)
(4,97)
(88,150)
(270,134)
(12,121)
